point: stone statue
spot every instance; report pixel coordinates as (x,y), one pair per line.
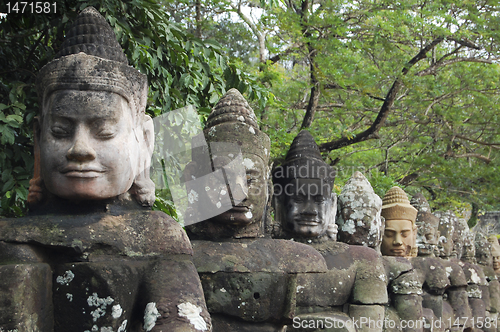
(305,207)
(445,286)
(358,217)
(495,253)
(400,229)
(360,223)
(451,230)
(92,256)
(459,234)
(477,286)
(485,261)
(429,269)
(251,282)
(427,227)
(446,232)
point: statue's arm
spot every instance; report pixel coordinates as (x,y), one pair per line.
(175,297)
(18,253)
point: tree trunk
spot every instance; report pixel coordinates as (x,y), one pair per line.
(198,19)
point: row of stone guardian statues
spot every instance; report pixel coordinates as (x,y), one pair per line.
(287,255)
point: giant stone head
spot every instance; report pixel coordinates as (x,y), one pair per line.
(93,138)
(303,185)
(358,217)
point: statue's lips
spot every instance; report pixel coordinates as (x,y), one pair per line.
(398,252)
(307,222)
(75,172)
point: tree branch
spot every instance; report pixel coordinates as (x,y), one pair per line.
(372,131)
(286,52)
(432,69)
(315,92)
(464,42)
(468,155)
(439,99)
(261,36)
(493,145)
(331,86)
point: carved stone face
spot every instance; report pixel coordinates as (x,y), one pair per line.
(469,248)
(88,145)
(495,253)
(483,253)
(496,264)
(363,226)
(308,212)
(427,239)
(252,208)
(398,238)
(445,242)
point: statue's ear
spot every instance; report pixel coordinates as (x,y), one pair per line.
(149,135)
(334,203)
(143,189)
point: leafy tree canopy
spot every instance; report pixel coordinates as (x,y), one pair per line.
(404,91)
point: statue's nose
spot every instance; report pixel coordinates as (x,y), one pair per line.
(81,149)
(398,241)
(310,208)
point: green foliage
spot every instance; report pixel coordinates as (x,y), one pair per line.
(181,70)
(441,136)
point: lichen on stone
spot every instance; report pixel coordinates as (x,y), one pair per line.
(151,314)
(192,313)
(66,278)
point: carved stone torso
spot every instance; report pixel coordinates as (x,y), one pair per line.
(102,269)
(254,284)
(434,280)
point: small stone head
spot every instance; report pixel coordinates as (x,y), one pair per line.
(447,222)
(469,248)
(400,229)
(460,232)
(495,253)
(358,216)
(427,226)
(304,184)
(483,250)
(233,121)
(93,136)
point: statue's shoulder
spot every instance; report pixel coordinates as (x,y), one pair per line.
(256,255)
(396,266)
(162,233)
(362,253)
(135,233)
(432,272)
(473,273)
(455,272)
(488,272)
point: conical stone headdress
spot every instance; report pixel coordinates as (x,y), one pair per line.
(495,247)
(303,161)
(91,59)
(396,206)
(233,120)
(359,213)
(424,215)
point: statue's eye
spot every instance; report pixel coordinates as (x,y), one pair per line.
(105,134)
(298,199)
(58,131)
(319,199)
(251,179)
